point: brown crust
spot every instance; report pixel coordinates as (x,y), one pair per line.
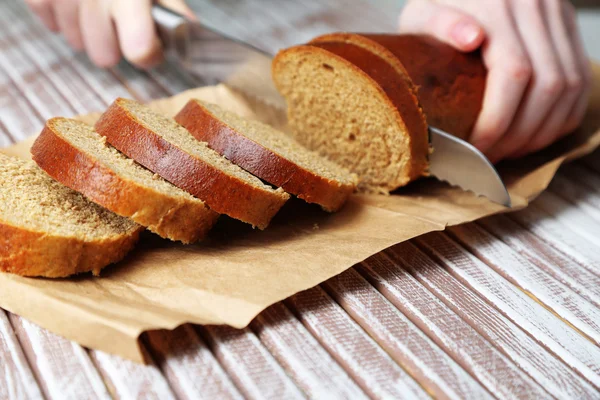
(223,193)
(172,218)
(450,83)
(29,253)
(260,161)
(397,91)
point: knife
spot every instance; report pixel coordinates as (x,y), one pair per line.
(213,57)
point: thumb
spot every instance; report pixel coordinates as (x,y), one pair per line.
(446,23)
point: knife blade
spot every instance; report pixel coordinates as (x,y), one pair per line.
(214,57)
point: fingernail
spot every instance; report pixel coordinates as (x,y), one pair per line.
(466,33)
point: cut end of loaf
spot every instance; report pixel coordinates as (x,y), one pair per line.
(52,230)
(338,109)
(269,154)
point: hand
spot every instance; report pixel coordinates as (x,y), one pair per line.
(108,29)
(539,77)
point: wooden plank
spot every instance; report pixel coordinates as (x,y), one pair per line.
(545,257)
(16,378)
(371,367)
(249,364)
(129,380)
(577,194)
(555,376)
(138,83)
(437,372)
(541,324)
(63,368)
(457,338)
(553,232)
(189,366)
(579,172)
(299,353)
(571,217)
(554,295)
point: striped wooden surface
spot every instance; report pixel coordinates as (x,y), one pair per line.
(508,307)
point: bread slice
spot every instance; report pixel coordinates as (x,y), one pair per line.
(49,230)
(169,150)
(75,155)
(353,107)
(450,84)
(269,154)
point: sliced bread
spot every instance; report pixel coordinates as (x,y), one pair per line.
(352,106)
(49,230)
(75,155)
(269,154)
(169,150)
(450,84)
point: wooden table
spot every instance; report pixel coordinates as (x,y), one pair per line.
(506,307)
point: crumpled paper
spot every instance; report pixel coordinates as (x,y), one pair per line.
(238,272)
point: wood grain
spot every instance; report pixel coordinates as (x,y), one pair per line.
(578,352)
(362,358)
(405,342)
(190,367)
(458,339)
(522,349)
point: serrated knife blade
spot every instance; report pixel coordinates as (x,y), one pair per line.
(215,57)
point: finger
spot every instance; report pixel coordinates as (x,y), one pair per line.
(547,84)
(446,23)
(509,73)
(136,32)
(578,111)
(180,7)
(67,19)
(98,32)
(43,9)
(555,125)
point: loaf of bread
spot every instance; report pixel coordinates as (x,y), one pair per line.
(450,84)
(169,150)
(49,230)
(353,107)
(269,154)
(76,156)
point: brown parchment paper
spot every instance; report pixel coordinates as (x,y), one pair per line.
(238,272)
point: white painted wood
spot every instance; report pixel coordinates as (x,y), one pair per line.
(555,376)
(577,195)
(571,217)
(545,257)
(582,174)
(507,262)
(459,340)
(63,368)
(250,365)
(138,83)
(311,367)
(129,380)
(16,378)
(554,232)
(437,372)
(371,367)
(189,366)
(545,327)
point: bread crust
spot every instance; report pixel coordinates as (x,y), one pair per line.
(173,218)
(400,97)
(450,83)
(223,193)
(37,254)
(261,161)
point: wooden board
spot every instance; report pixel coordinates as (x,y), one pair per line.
(504,308)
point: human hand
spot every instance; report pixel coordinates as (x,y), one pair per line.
(539,76)
(108,29)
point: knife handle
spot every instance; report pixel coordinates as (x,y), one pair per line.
(173,30)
